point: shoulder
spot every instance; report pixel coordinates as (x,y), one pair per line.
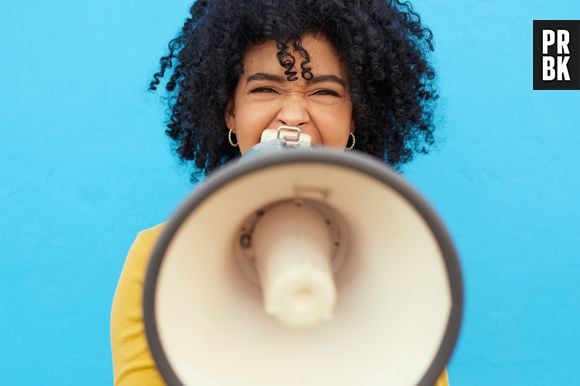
(149,236)
(443,379)
(135,266)
(132,362)
(139,254)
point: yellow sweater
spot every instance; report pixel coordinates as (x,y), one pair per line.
(132,361)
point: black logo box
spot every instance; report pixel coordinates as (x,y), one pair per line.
(573,28)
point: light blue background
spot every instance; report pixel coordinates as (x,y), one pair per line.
(85,165)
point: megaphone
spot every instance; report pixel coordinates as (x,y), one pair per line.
(307,267)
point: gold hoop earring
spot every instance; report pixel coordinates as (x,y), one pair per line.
(234,144)
(353,142)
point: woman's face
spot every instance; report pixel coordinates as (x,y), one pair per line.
(265,99)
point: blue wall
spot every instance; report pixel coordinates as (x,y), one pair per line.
(85,165)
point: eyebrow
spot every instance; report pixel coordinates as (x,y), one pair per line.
(278,79)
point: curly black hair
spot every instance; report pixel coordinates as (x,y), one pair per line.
(382,44)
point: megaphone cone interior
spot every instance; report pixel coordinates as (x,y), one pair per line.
(396,300)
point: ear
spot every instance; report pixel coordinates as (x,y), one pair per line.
(352,126)
(230,115)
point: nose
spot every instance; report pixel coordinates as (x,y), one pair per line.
(293,112)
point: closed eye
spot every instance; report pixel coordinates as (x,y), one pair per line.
(263,90)
(325,92)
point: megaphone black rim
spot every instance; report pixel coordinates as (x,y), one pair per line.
(353,160)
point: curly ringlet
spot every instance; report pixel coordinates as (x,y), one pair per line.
(382,44)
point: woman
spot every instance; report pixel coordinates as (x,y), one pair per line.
(351,74)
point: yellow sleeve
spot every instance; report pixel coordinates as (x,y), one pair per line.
(443,379)
(132,361)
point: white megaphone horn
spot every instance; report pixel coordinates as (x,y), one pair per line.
(308,267)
